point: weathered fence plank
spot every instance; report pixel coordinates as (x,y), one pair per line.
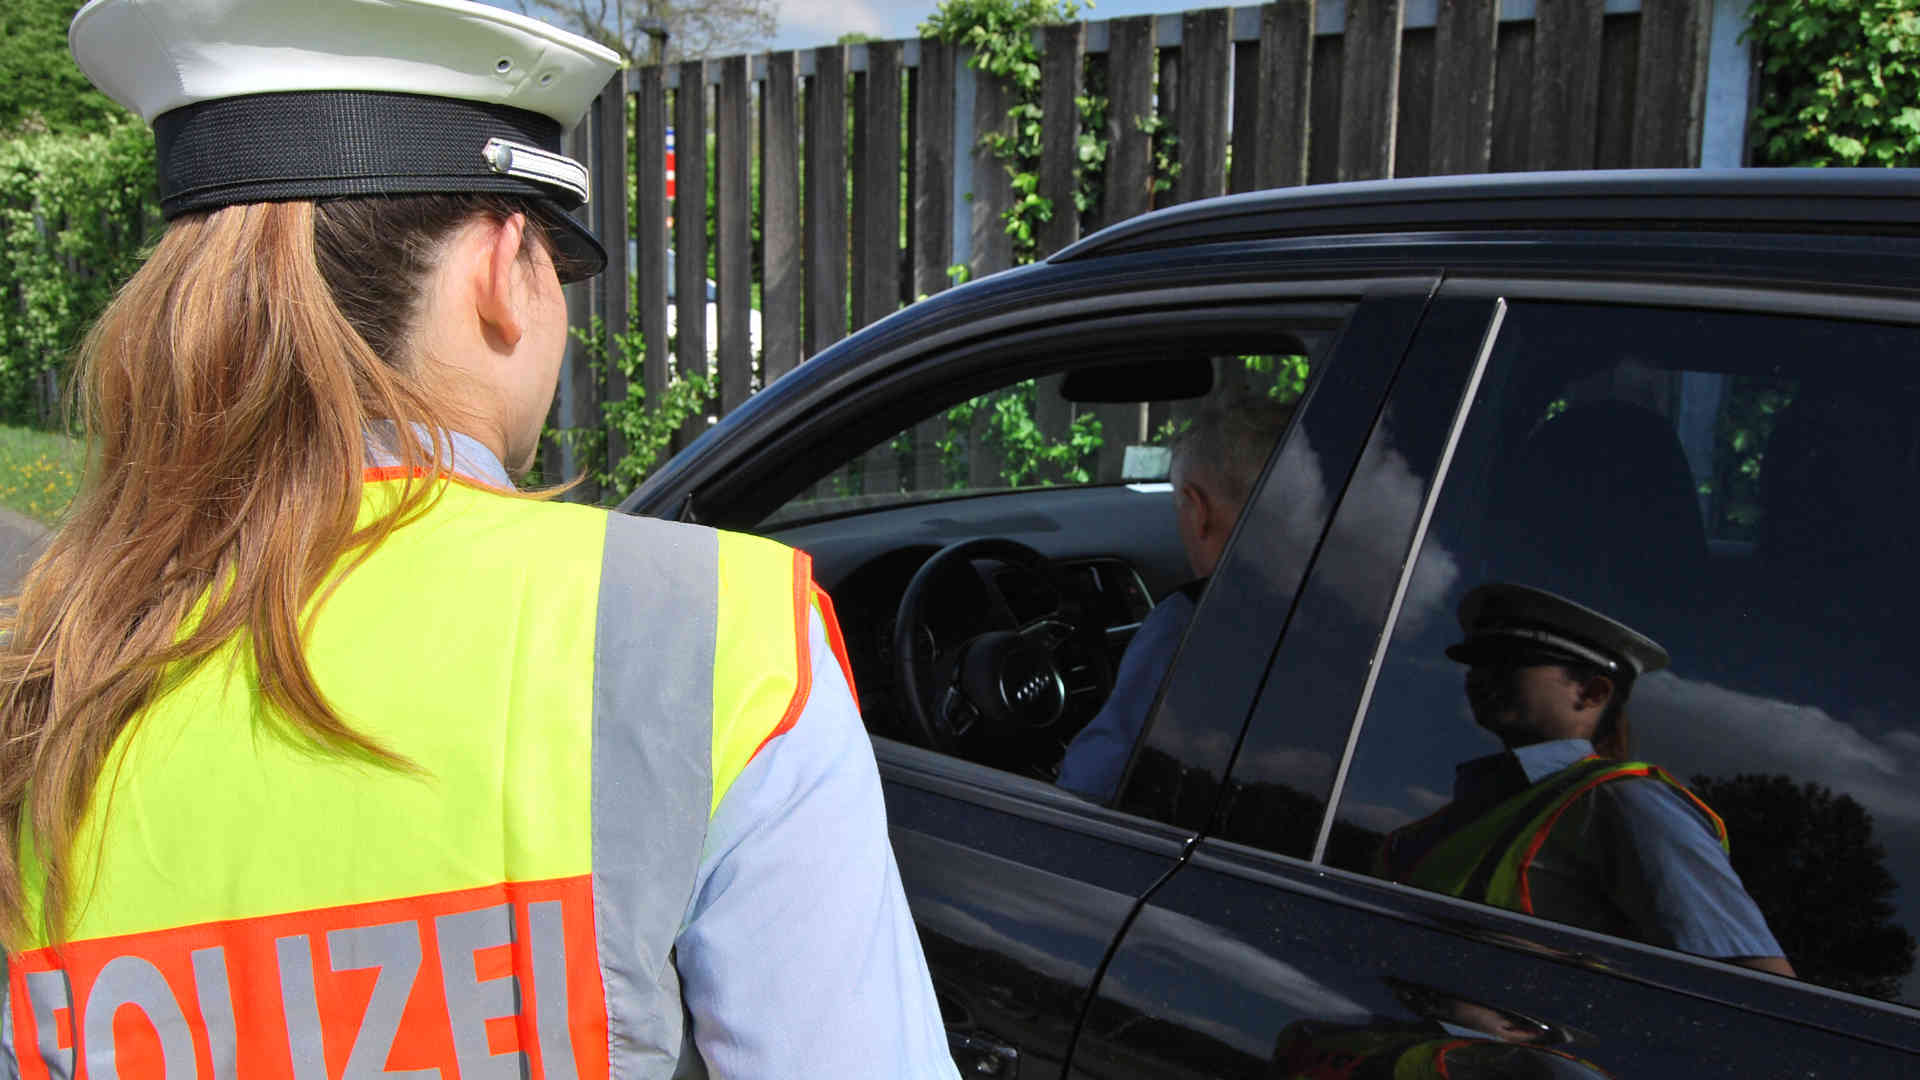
(1461,113)
(931,222)
(1369,88)
(876,219)
(1670,100)
(932,166)
(1413,127)
(1061,61)
(690,229)
(610,182)
(826,197)
(1206,51)
(650,224)
(1243,166)
(1323,101)
(1129,179)
(992,185)
(1613,122)
(1166,93)
(1286,77)
(779,218)
(876,188)
(577,393)
(733,233)
(1566,83)
(1512,98)
(1129,103)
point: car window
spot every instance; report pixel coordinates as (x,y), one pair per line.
(1739,490)
(1028,434)
(1063,483)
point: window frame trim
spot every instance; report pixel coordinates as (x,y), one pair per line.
(1462,410)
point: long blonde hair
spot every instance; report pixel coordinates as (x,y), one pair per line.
(226,394)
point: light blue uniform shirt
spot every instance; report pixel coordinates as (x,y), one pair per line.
(1098,755)
(797,954)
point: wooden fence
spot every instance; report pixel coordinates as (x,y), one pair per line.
(872,179)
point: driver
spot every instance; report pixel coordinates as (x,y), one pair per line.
(1215,463)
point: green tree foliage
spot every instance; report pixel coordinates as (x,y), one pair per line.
(1809,859)
(74,211)
(41,89)
(1839,82)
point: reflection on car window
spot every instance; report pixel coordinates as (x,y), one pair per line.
(1030,435)
(1736,491)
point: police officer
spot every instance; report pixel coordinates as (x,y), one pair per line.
(323,751)
(1552,828)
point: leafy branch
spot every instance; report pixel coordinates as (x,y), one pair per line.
(1839,82)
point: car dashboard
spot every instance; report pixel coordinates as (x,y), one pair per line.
(1111,552)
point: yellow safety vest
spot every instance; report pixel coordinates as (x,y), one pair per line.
(579,689)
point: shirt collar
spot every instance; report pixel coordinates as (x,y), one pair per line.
(471,458)
(1542,760)
(1494,776)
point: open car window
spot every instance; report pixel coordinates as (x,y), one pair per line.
(1060,479)
(1043,432)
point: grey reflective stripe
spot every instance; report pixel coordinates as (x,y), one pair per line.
(300,1004)
(652,773)
(130,980)
(215,991)
(555,1027)
(471,1000)
(6,1021)
(392,949)
(47,991)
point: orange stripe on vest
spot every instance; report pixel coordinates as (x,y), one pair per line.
(475,984)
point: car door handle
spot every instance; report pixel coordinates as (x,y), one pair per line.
(981,1057)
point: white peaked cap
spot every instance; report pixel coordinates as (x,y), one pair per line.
(272,100)
(153,56)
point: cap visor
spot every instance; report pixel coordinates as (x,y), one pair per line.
(579,251)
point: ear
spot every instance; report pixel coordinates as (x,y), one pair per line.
(1196,506)
(498,287)
(1593,693)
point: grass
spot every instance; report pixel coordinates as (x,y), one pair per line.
(39,471)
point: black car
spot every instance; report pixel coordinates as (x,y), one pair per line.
(1688,400)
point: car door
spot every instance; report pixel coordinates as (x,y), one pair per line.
(1725,469)
(1019,889)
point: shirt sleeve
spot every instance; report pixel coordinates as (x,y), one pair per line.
(1674,880)
(798,955)
(1098,755)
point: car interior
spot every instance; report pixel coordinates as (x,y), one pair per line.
(1032,524)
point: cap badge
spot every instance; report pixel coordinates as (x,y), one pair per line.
(532,163)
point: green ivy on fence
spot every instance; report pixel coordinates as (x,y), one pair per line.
(1000,33)
(647,427)
(1839,82)
(75,211)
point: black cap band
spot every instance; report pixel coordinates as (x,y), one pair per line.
(320,144)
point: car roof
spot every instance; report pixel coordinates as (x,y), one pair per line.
(1879,201)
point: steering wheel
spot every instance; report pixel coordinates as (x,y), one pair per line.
(1006,681)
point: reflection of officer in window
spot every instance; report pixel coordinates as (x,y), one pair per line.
(1552,828)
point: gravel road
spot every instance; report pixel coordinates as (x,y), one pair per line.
(20,538)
